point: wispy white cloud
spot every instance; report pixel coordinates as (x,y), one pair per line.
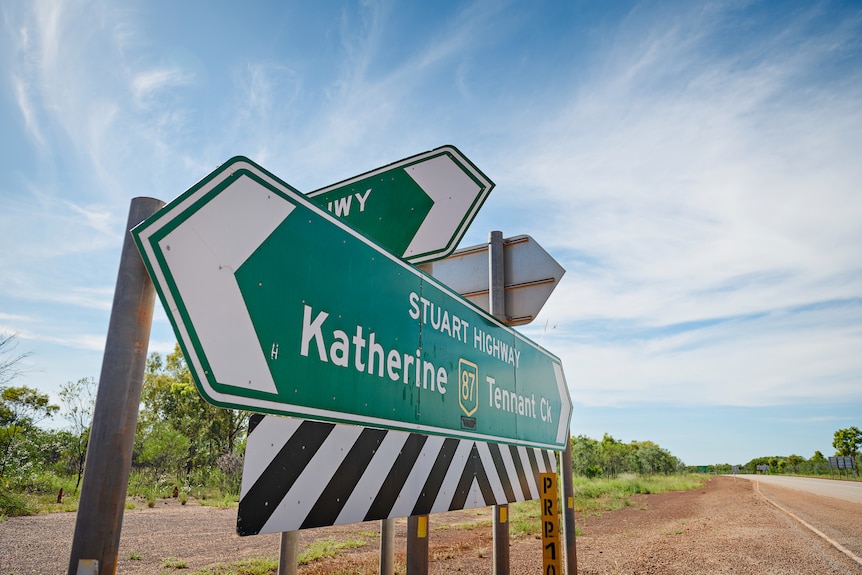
(88,342)
(22,93)
(699,184)
(148,83)
(788,356)
(698,181)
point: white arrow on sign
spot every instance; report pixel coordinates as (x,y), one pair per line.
(203,254)
(418,208)
(453,192)
(530,275)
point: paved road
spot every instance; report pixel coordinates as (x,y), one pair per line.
(830,509)
(846,490)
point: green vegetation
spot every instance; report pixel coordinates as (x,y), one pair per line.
(172,563)
(328,547)
(845,441)
(848,441)
(524,519)
(191,450)
(596,496)
(318,549)
(256,566)
(184,447)
(610,457)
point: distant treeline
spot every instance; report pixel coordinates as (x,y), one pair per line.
(611,457)
(790,465)
(846,442)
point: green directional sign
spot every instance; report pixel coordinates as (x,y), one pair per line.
(281,307)
(418,208)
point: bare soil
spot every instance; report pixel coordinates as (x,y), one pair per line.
(726,527)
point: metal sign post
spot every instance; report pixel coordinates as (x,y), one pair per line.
(417,545)
(497,307)
(530,275)
(109,453)
(569,510)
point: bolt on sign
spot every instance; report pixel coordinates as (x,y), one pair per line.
(552,549)
(280,307)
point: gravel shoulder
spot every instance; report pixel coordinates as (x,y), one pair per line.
(726,527)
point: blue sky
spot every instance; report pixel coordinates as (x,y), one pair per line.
(694,166)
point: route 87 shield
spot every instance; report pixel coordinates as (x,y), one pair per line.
(468,394)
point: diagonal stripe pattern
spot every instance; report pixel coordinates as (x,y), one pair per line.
(300,474)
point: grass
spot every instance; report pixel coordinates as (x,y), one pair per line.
(596,496)
(319,549)
(469,525)
(36,492)
(173,563)
(224,501)
(524,519)
(327,548)
(16,505)
(255,566)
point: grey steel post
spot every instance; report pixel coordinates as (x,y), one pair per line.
(497,305)
(387,547)
(417,545)
(569,509)
(496,291)
(288,553)
(115,415)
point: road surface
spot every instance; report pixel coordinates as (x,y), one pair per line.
(830,509)
(846,490)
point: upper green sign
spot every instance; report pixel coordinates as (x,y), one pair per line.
(418,208)
(282,308)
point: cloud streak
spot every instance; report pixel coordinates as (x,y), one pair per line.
(719,192)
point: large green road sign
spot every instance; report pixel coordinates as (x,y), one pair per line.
(418,208)
(282,308)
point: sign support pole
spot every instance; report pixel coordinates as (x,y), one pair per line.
(417,545)
(497,305)
(569,510)
(288,556)
(112,436)
(387,546)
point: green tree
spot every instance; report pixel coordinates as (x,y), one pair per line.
(818,463)
(751,466)
(21,408)
(166,448)
(78,399)
(586,459)
(794,461)
(613,455)
(170,397)
(847,441)
(648,458)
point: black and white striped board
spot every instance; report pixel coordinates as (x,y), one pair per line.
(300,474)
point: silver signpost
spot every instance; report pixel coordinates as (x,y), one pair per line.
(528,278)
(96,538)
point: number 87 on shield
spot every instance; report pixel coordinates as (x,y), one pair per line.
(468,394)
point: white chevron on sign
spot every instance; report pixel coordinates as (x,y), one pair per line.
(300,474)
